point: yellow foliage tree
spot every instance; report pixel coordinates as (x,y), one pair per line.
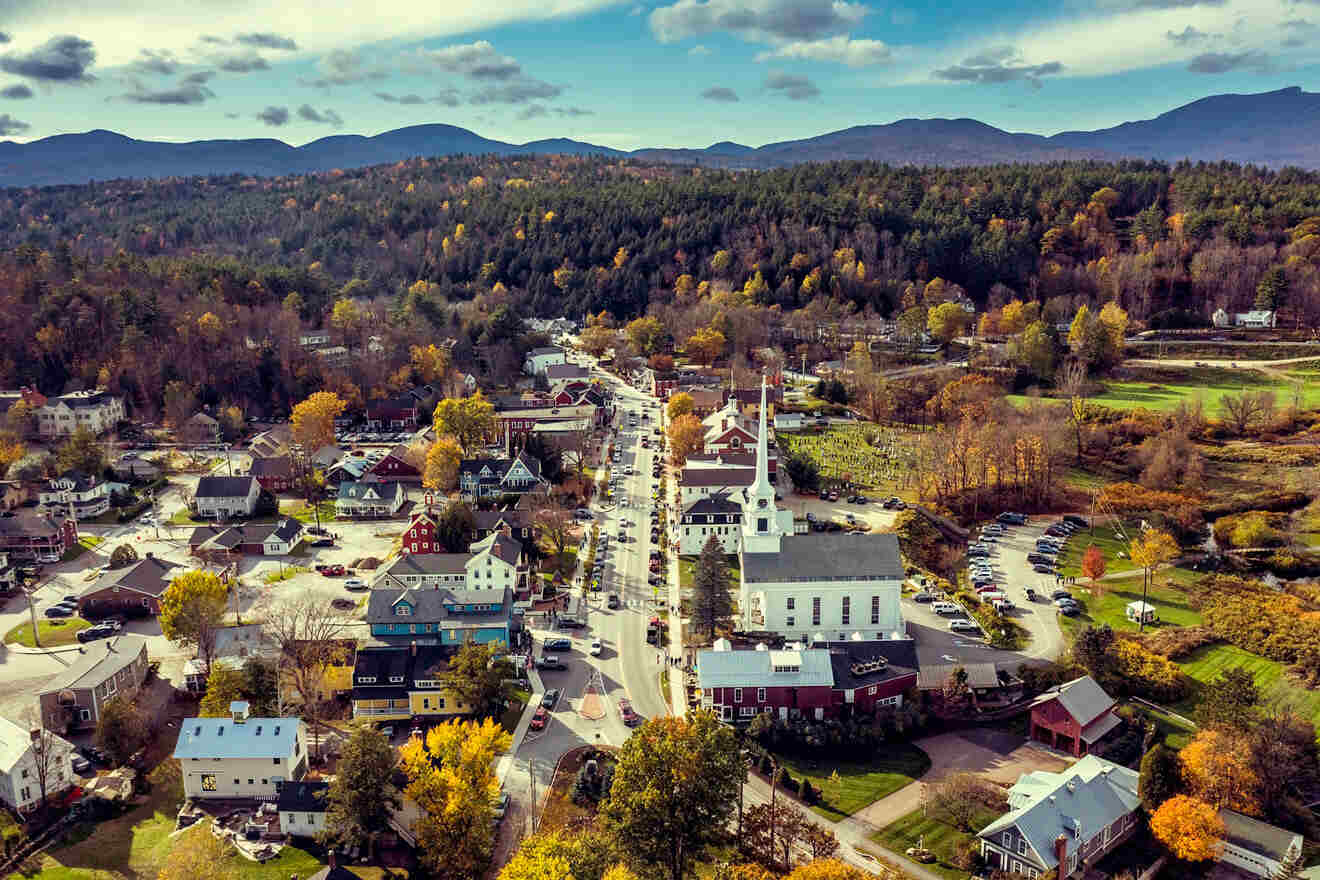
(430,363)
(597,340)
(209,328)
(192,609)
(198,855)
(1013,319)
(346,317)
(829,869)
(620,257)
(947,320)
(467,419)
(1115,322)
(646,335)
(686,436)
(442,461)
(721,262)
(451,778)
(705,345)
(680,404)
(543,857)
(313,420)
(1189,827)
(11,450)
(1217,768)
(684,285)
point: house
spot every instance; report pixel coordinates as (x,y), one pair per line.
(827,680)
(336,675)
(422,534)
(424,571)
(240,756)
(663,384)
(564,372)
(716,515)
(22,761)
(788,421)
(1063,821)
(1073,716)
(431,616)
(302,807)
(985,681)
(224,497)
(249,539)
(1221,319)
(395,683)
(394,413)
(745,459)
(31,535)
(514,424)
(234,647)
(695,483)
(325,456)
(539,359)
(100,670)
(314,338)
(729,430)
(97,411)
(272,443)
(480,478)
(350,468)
(75,494)
(132,467)
(369,500)
(1256,318)
(200,429)
(135,586)
(400,463)
(705,400)
(1255,847)
(275,474)
(516,522)
(795,584)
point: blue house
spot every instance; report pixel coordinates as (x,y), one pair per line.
(441,616)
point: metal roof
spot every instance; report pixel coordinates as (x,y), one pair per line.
(224,738)
(826,557)
(1258,837)
(811,667)
(1082,698)
(97,661)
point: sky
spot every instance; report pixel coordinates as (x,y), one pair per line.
(628,74)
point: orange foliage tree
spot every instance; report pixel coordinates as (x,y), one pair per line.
(1217,768)
(1093,563)
(1189,827)
(686,436)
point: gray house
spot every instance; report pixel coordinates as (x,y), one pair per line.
(1066,821)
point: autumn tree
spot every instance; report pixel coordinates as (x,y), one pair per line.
(947,321)
(451,777)
(362,797)
(123,555)
(469,420)
(1229,701)
(646,335)
(223,686)
(442,463)
(705,345)
(597,340)
(1247,410)
(474,677)
(712,607)
(958,799)
(313,420)
(429,363)
(191,610)
(563,855)
(680,404)
(11,450)
(198,855)
(82,452)
(1189,827)
(1093,563)
(121,728)
(686,436)
(308,635)
(1036,350)
(661,363)
(675,789)
(770,834)
(555,524)
(1216,768)
(180,403)
(828,869)
(1151,549)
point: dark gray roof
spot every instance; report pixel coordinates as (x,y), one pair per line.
(489,520)
(1083,699)
(303,797)
(350,490)
(27,522)
(717,503)
(506,548)
(279,466)
(866,662)
(545,349)
(149,576)
(429,606)
(97,661)
(230,537)
(717,476)
(223,487)
(427,563)
(827,557)
(1256,836)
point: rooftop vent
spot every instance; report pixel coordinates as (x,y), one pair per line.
(238,710)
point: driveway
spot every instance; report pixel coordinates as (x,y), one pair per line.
(991,754)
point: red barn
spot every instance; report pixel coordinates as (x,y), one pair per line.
(397,464)
(1073,716)
(274,474)
(827,680)
(422,534)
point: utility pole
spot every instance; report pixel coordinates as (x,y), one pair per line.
(32,611)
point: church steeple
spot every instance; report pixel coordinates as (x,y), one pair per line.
(760,525)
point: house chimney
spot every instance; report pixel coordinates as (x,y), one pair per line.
(239,711)
(1061,854)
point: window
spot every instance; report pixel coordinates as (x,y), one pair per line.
(871,690)
(85,714)
(366,679)
(789,602)
(402,610)
(1008,840)
(252,782)
(737,695)
(875,610)
(1022,847)
(815,611)
(311,819)
(276,760)
(747,711)
(25,773)
(847,610)
(760,695)
(236,782)
(789,621)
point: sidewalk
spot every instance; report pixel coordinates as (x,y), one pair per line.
(62,649)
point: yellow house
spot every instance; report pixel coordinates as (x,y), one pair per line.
(336,678)
(393,683)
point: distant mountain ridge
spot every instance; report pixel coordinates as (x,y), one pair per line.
(1270,128)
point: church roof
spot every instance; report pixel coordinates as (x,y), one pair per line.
(826,557)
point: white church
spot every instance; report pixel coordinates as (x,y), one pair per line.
(805,587)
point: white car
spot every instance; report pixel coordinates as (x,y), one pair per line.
(596,647)
(48,559)
(961,625)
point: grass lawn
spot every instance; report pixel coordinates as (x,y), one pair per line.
(1176,733)
(914,829)
(85,543)
(1169,600)
(304,513)
(1166,388)
(687,568)
(1205,663)
(509,720)
(1070,560)
(284,573)
(892,767)
(53,632)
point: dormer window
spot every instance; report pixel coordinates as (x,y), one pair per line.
(402,610)
(396,679)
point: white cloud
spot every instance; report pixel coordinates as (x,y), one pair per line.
(763,21)
(840,50)
(116,25)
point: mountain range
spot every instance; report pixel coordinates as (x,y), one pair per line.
(1270,128)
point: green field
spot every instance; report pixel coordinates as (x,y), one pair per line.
(1170,603)
(1109,542)
(1163,392)
(893,767)
(1176,733)
(914,829)
(1204,664)
(54,632)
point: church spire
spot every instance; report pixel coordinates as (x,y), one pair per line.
(761,487)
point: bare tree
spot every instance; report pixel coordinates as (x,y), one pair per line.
(49,755)
(306,631)
(1072,385)
(555,523)
(1246,409)
(959,798)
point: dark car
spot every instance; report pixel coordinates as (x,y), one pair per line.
(323,542)
(1061,594)
(1041,568)
(1076,520)
(81,765)
(1031,594)
(924,596)
(1038,559)
(100,631)
(59,611)
(824,495)
(551,697)
(1071,610)
(612,601)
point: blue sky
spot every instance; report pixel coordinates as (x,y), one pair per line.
(681,73)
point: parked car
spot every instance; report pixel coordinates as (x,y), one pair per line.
(551,697)
(1071,610)
(1061,594)
(1064,603)
(59,611)
(558,644)
(628,714)
(539,718)
(550,661)
(1041,568)
(960,624)
(100,631)
(501,805)
(1076,520)
(924,596)
(612,601)
(1031,594)
(330,570)
(596,648)
(355,584)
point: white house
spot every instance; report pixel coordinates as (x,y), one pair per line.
(813,586)
(717,515)
(1256,318)
(240,756)
(97,411)
(86,496)
(494,563)
(1255,847)
(20,786)
(223,497)
(788,421)
(302,807)
(369,499)
(538,359)
(1221,318)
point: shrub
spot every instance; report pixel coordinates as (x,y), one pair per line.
(1147,674)
(808,794)
(967,855)
(123,555)
(1176,642)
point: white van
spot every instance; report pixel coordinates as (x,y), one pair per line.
(945,608)
(993,596)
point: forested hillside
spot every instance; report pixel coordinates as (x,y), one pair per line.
(210,280)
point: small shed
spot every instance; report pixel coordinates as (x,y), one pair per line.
(1141,612)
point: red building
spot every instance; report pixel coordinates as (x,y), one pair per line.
(398,464)
(1073,717)
(394,412)
(274,474)
(422,536)
(29,535)
(827,680)
(663,386)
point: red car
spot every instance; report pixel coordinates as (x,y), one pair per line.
(626,712)
(332,570)
(539,718)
